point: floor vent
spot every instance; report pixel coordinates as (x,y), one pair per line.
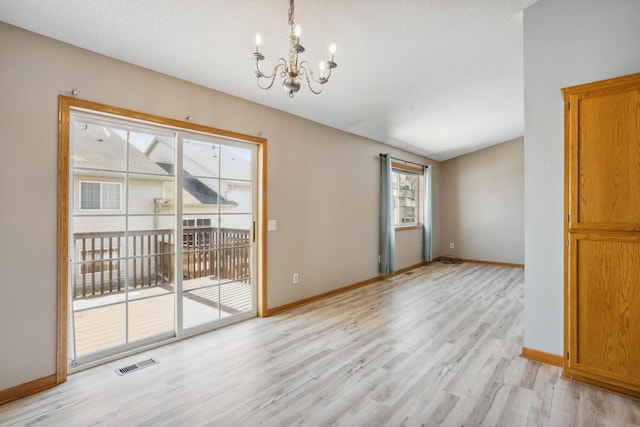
(135,367)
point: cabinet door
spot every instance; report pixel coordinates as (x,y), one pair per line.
(602,283)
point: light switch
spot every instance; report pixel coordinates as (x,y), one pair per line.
(271,225)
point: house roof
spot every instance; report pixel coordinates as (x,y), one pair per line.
(199,190)
(98,147)
(101,150)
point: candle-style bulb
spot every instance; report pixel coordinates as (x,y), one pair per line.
(258,42)
(332,51)
(297,31)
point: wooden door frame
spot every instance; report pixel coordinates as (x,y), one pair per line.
(65,106)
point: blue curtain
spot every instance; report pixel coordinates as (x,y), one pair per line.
(387,229)
(427,219)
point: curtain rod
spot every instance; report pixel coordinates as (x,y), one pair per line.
(406,161)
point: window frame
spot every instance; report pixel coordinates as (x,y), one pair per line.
(399,168)
(101,208)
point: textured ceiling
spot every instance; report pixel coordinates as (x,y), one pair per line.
(439,78)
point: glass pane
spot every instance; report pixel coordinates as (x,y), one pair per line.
(99,324)
(202,194)
(236,196)
(98,147)
(235,230)
(405,197)
(200,302)
(407,215)
(151,252)
(150,316)
(235,163)
(235,297)
(200,158)
(111,196)
(89,195)
(151,194)
(151,153)
(235,240)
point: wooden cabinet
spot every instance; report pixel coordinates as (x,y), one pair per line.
(602,232)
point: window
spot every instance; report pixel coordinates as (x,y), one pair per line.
(200,222)
(405,187)
(99,195)
(194,238)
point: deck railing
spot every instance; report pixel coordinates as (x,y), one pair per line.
(104,267)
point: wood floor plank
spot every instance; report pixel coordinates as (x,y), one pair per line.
(435,347)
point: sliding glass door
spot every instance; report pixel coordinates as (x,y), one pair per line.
(218,229)
(161,234)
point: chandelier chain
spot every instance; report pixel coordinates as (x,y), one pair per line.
(291,14)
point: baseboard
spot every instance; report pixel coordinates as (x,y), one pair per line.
(500,264)
(305,301)
(542,357)
(26,389)
(479,261)
(626,390)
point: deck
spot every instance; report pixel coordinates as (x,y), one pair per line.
(100,322)
(145,262)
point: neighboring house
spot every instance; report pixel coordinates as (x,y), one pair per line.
(206,194)
(101,212)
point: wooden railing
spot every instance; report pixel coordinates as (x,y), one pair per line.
(102,267)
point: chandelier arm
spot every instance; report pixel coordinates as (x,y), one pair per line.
(306,66)
(259,74)
(308,74)
(279,63)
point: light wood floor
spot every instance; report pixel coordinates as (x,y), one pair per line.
(436,347)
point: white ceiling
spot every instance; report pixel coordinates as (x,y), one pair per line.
(439,78)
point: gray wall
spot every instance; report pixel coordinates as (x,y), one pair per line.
(566,42)
(322,187)
(482,204)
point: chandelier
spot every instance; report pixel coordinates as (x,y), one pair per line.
(292,71)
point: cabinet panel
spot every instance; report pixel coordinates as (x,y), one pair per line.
(609,159)
(608,300)
(602,229)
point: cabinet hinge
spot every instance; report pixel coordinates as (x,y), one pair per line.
(567,355)
(568,218)
(568,106)
(567,242)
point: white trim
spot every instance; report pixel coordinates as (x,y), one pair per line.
(101,183)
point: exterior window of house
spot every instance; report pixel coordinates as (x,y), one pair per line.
(192,238)
(99,195)
(200,222)
(405,197)
(99,260)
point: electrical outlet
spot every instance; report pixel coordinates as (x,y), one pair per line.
(452,245)
(296,278)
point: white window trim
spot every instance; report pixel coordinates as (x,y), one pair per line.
(100,209)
